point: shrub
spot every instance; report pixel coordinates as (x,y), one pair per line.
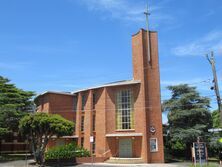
(68,151)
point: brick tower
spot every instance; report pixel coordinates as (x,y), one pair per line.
(146,69)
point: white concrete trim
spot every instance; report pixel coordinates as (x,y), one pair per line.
(54,92)
(119,83)
(124,134)
(65,137)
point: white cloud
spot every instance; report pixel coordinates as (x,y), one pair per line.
(128,10)
(200,47)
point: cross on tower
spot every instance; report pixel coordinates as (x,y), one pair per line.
(147,28)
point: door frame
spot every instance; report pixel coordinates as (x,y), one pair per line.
(130,147)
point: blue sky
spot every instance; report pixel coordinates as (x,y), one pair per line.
(64,45)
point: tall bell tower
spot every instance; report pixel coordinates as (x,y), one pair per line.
(146,69)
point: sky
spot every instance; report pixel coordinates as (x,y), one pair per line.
(65,45)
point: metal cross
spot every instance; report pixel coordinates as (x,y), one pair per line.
(147,28)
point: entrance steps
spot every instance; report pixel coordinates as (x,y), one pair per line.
(117,160)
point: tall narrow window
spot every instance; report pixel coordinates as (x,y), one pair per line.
(94,122)
(94,145)
(82,142)
(83,102)
(94,100)
(124,110)
(75,102)
(82,123)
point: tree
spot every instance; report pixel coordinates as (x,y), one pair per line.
(188,116)
(40,127)
(14,104)
(214,143)
(216,119)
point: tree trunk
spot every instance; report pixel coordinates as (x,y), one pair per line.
(188,152)
(40,157)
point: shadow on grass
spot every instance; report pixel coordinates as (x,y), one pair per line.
(14,157)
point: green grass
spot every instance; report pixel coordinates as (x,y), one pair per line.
(12,157)
(205,165)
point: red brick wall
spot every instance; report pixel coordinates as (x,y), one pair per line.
(57,104)
(149,75)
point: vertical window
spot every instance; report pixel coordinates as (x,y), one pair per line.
(94,100)
(83,102)
(94,145)
(153,145)
(124,110)
(82,142)
(82,123)
(94,122)
(75,102)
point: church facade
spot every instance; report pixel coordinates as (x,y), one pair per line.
(120,119)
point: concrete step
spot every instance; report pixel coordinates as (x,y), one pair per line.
(117,160)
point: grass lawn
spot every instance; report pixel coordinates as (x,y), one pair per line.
(210,164)
(13,157)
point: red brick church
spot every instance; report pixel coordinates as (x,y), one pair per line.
(124,118)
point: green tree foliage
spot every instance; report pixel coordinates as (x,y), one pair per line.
(188,115)
(14,103)
(214,142)
(40,127)
(216,119)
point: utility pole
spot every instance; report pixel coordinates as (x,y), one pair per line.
(216,88)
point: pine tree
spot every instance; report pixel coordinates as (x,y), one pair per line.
(14,104)
(188,116)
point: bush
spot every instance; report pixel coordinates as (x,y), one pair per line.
(68,151)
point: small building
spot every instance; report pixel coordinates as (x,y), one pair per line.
(124,118)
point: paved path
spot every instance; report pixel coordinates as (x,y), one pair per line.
(136,165)
(23,163)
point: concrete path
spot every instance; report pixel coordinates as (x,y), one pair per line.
(23,163)
(136,165)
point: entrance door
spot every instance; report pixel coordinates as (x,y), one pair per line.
(125,148)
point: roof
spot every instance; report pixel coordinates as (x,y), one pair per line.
(118,83)
(54,92)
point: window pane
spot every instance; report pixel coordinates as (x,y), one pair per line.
(124,110)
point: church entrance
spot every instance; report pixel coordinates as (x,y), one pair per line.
(125,148)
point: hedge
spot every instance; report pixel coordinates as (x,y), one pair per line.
(67,151)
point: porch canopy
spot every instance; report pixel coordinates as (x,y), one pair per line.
(66,137)
(124,134)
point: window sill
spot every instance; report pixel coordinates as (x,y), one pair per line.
(125,130)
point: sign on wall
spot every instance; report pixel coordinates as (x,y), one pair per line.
(153,145)
(91,139)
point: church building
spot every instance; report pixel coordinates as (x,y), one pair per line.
(120,119)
